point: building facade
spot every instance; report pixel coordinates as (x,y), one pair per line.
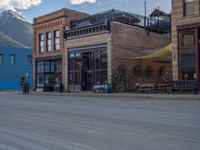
(186,39)
(49,47)
(99,48)
(15,65)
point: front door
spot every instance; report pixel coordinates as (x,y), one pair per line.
(87,71)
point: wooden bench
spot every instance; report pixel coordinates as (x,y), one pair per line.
(143,88)
(163,87)
(183,86)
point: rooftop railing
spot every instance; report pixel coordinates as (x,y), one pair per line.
(101,22)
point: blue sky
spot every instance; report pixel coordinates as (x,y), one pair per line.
(33,8)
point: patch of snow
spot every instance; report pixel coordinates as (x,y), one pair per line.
(13,14)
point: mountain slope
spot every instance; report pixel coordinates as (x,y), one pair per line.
(16,27)
(6,41)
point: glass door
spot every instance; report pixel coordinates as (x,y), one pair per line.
(87,72)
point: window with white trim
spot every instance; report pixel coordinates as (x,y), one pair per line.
(48,41)
(57,40)
(188,7)
(41,42)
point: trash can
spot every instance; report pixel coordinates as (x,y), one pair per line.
(109,88)
(25,88)
(106,88)
(61,88)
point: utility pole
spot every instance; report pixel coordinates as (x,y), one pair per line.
(146,22)
(145,14)
(158,17)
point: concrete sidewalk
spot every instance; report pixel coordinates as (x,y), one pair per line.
(129,95)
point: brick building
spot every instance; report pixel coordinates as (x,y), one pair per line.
(186,39)
(49,47)
(99,48)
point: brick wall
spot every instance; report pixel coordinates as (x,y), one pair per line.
(50,23)
(126,42)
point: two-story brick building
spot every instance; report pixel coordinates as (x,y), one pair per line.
(49,46)
(186,39)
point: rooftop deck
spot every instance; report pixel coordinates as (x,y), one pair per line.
(101,21)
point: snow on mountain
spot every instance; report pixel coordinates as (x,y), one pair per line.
(10,13)
(16,27)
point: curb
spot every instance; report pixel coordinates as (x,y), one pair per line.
(128,95)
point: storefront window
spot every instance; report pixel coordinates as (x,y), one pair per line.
(71,78)
(187,55)
(72,62)
(49,79)
(104,60)
(187,38)
(58,66)
(78,61)
(49,72)
(58,79)
(77,78)
(103,77)
(40,80)
(96,78)
(47,66)
(40,67)
(97,60)
(87,68)
(87,60)
(188,64)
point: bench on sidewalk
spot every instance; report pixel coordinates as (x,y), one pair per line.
(146,88)
(163,87)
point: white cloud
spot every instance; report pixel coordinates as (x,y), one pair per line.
(76,2)
(18,4)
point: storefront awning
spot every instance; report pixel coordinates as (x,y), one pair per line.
(162,53)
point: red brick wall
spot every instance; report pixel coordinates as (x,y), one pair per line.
(127,41)
(50,23)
